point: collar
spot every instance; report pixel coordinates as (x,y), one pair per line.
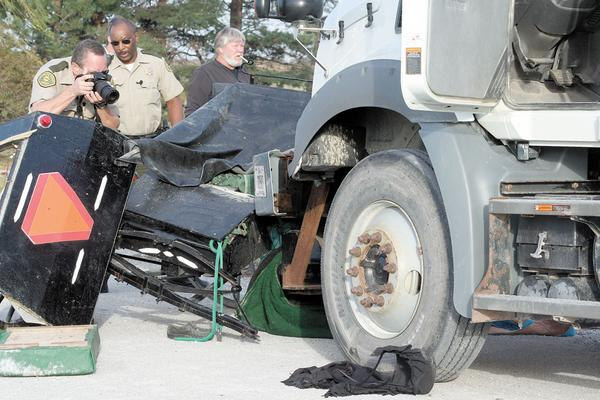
(140,58)
(225,67)
(220,64)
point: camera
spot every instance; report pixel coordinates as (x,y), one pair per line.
(108,93)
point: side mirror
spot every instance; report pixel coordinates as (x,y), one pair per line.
(262,8)
(295,10)
(290,10)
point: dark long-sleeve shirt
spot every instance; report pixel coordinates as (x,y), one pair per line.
(201,86)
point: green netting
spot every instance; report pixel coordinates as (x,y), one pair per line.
(268,310)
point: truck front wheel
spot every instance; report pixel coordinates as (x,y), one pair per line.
(386,266)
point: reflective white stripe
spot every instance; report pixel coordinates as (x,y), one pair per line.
(23,197)
(149,250)
(100,192)
(168,253)
(187,262)
(77,266)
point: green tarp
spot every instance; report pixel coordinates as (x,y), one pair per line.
(268,310)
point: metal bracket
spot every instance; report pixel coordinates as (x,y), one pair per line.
(369,15)
(295,273)
(302,28)
(540,251)
(594,226)
(340,32)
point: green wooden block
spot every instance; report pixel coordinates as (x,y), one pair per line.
(49,350)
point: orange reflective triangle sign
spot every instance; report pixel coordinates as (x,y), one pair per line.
(55,212)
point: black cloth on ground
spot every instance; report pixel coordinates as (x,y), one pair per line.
(414,373)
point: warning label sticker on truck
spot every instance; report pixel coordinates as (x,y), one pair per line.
(413,60)
(260,186)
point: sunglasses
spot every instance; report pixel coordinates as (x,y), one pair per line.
(115,43)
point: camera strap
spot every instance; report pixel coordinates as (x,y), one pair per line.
(79,111)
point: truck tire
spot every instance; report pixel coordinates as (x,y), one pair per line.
(386,267)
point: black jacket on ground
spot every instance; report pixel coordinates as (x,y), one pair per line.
(414,374)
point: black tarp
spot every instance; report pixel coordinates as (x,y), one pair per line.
(241,121)
(204,210)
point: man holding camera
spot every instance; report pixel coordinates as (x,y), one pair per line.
(142,80)
(66,86)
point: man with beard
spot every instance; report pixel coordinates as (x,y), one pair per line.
(141,80)
(225,68)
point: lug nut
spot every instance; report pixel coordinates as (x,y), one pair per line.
(388,288)
(385,288)
(390,268)
(353,272)
(355,252)
(364,238)
(376,237)
(357,291)
(387,248)
(367,302)
(378,301)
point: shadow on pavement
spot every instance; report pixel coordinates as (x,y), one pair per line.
(570,360)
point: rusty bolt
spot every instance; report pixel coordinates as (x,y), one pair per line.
(376,237)
(367,302)
(355,252)
(378,300)
(357,291)
(388,288)
(353,272)
(385,288)
(387,248)
(364,238)
(390,268)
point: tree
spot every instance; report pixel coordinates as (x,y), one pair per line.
(182,31)
(18,68)
(235,13)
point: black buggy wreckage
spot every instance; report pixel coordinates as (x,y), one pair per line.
(68,214)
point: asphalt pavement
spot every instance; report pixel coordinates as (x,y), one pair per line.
(138,361)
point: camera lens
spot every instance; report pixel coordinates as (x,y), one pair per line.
(107,92)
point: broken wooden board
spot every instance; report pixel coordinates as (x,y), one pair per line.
(49,350)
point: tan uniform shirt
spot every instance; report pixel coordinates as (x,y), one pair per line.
(140,91)
(55,77)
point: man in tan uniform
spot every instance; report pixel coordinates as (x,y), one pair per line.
(61,86)
(141,80)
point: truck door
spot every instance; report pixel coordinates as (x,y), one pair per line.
(455,53)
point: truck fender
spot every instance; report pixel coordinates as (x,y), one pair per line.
(374,83)
(469,168)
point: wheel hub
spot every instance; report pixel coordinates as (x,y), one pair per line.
(373,265)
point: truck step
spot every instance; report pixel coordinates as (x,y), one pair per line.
(562,77)
(535,305)
(588,187)
(588,206)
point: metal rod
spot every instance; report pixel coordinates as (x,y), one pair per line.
(11,312)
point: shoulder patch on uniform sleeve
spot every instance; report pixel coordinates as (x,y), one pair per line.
(46,79)
(59,67)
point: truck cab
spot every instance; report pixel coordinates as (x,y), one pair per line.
(460,139)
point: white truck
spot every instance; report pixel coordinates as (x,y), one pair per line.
(460,142)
